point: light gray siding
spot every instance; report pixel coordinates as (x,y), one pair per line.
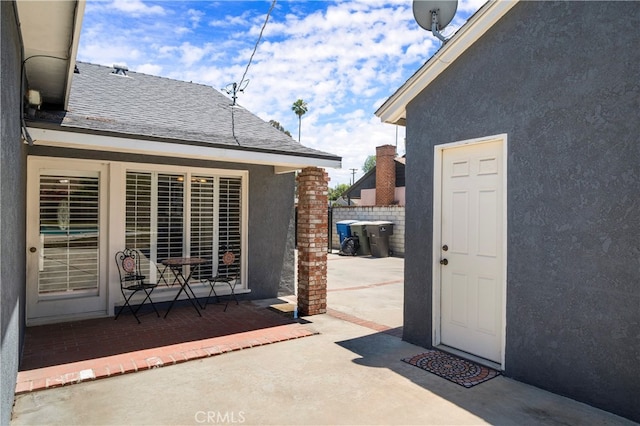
(562,80)
(12,211)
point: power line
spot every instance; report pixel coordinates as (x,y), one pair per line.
(234,88)
(273,3)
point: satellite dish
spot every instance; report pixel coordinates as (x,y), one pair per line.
(434,15)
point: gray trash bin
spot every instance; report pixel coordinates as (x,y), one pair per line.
(379,233)
(359,229)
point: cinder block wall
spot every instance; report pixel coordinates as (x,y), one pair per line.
(393,214)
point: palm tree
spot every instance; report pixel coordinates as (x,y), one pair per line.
(299,107)
(278,126)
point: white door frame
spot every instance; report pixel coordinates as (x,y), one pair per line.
(437,236)
(35,165)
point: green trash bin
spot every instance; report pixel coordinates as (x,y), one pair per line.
(359,229)
(379,233)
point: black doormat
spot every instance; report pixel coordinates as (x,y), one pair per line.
(458,370)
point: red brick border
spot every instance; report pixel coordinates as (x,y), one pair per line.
(99,368)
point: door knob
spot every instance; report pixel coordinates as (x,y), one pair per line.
(444,262)
(32,249)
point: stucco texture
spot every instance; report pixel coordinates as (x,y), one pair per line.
(12,211)
(562,80)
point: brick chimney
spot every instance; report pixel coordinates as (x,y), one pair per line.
(385,175)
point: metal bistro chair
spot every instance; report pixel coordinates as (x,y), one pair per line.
(228,273)
(132,281)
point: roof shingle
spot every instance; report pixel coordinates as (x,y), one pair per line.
(141,105)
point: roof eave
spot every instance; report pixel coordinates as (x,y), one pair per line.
(393,110)
(73,54)
(50,33)
(45,135)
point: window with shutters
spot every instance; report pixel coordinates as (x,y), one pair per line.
(69,223)
(179,215)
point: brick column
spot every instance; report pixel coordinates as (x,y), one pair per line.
(312,241)
(385,175)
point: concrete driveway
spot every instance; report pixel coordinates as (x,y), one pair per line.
(349,373)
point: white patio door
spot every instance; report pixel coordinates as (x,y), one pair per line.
(66,223)
(471,252)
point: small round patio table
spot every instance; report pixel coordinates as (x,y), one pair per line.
(177,264)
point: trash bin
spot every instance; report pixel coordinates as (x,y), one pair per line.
(379,233)
(359,229)
(343,229)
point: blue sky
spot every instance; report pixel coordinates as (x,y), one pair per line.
(344,58)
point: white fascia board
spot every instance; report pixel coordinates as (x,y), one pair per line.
(394,108)
(284,169)
(73,51)
(62,139)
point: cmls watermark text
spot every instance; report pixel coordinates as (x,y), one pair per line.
(220,417)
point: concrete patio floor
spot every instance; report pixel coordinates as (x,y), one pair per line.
(349,373)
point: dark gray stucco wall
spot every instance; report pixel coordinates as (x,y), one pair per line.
(271,227)
(271,233)
(12,211)
(562,80)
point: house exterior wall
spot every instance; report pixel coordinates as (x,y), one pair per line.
(368,182)
(12,211)
(271,225)
(393,214)
(271,233)
(568,98)
(368,197)
(399,195)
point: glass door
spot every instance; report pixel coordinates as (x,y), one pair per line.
(64,266)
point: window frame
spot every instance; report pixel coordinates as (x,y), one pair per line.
(188,172)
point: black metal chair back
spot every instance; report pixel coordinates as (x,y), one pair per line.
(128,261)
(132,281)
(228,267)
(228,273)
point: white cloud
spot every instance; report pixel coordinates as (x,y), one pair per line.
(137,7)
(229,21)
(191,54)
(106,53)
(470,5)
(151,69)
(182,30)
(336,61)
(195,16)
(344,59)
